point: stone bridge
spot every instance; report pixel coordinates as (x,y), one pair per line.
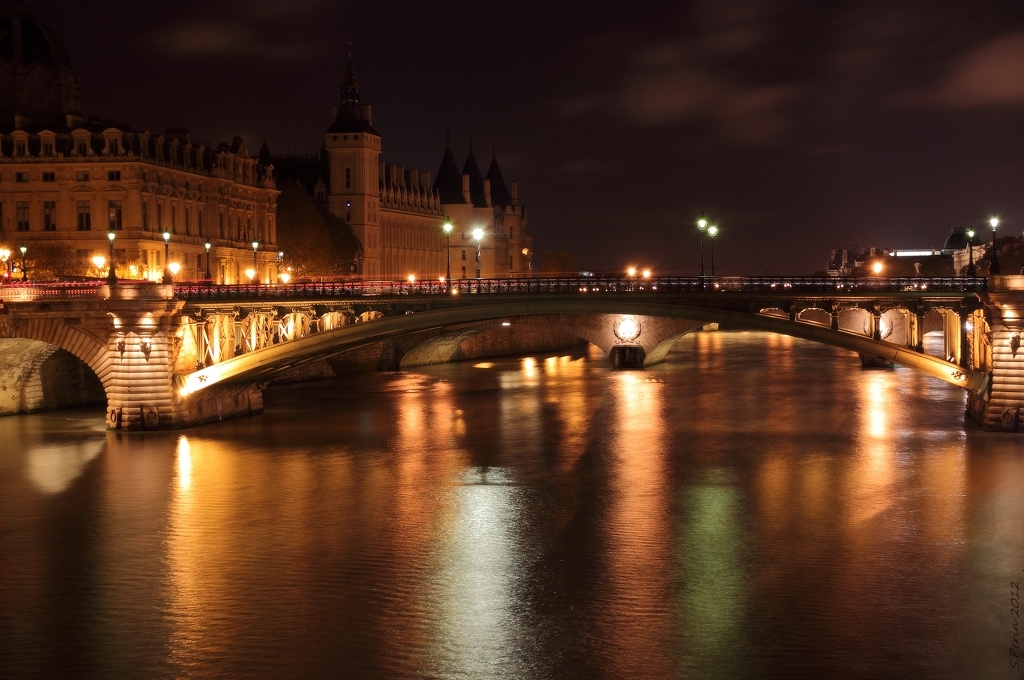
(174,356)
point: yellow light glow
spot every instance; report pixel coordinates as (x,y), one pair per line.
(441,279)
(484,364)
(455,291)
(647,273)
(251,273)
(184,463)
(877,267)
(411,278)
(631,271)
(174,267)
(99,261)
(530,367)
(285,278)
(628,328)
(133,270)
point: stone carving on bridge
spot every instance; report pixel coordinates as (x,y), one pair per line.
(7,327)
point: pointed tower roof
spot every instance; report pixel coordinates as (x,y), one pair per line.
(499,192)
(349,86)
(448,184)
(264,157)
(476,179)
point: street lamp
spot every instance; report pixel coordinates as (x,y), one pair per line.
(207,260)
(478,234)
(971,270)
(702,224)
(251,273)
(712,232)
(24,267)
(447,229)
(994,269)
(631,271)
(111,274)
(167,258)
(255,265)
(173,269)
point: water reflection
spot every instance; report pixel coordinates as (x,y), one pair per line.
(52,467)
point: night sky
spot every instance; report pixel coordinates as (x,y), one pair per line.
(797,126)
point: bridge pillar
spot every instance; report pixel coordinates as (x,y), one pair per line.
(876,324)
(918,334)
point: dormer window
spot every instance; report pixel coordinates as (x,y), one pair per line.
(48,148)
(114,147)
(82,148)
(20,148)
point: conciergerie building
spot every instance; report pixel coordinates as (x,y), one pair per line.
(397,213)
(66,182)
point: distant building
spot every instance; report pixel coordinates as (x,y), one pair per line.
(397,213)
(65,181)
(950,260)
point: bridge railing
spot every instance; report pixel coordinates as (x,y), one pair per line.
(19,292)
(28,292)
(589,284)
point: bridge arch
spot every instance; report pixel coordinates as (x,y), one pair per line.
(39,376)
(262,364)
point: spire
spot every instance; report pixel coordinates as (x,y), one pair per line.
(350,86)
(448,183)
(476,179)
(499,192)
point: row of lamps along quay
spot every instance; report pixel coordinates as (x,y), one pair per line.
(703,226)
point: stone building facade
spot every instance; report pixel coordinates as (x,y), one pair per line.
(66,182)
(397,213)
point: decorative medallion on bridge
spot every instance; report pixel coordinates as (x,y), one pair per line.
(627,329)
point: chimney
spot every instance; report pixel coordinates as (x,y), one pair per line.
(414,177)
(465,188)
(515,193)
(398,175)
(487,192)
(425,179)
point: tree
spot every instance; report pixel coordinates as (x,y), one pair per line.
(558,263)
(347,248)
(54,260)
(303,235)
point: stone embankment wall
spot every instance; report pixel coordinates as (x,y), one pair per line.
(37,376)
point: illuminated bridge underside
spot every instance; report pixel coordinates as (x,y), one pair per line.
(265,363)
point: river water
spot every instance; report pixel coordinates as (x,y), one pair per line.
(756,507)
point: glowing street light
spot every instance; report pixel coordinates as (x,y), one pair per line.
(98,262)
(285,277)
(447,228)
(631,271)
(207,260)
(168,277)
(478,234)
(712,232)
(411,278)
(251,273)
(971,271)
(172,270)
(994,269)
(647,273)
(255,265)
(111,274)
(24,267)
(702,224)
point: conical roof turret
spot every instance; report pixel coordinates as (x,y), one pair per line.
(448,184)
(476,179)
(499,192)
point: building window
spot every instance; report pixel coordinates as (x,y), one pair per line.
(348,178)
(199,221)
(82,176)
(84,216)
(21,177)
(21,215)
(83,149)
(145,216)
(49,177)
(19,149)
(188,222)
(174,219)
(49,215)
(48,148)
(463,255)
(159,217)
(114,175)
(463,272)
(220,223)
(114,147)
(114,215)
